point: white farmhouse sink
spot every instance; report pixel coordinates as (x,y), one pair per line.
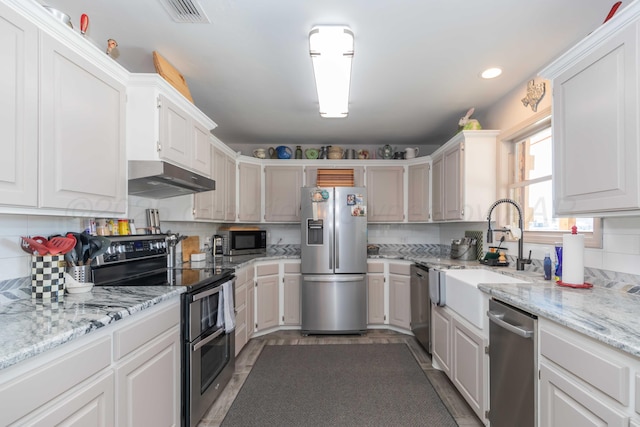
(464,297)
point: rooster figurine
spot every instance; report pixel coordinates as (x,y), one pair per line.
(535,92)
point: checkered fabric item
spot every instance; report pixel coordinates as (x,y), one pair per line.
(47,277)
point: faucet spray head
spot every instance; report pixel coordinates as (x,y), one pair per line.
(489,235)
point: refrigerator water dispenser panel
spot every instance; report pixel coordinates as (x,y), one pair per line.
(315,231)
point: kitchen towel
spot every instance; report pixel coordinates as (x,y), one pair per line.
(573,259)
(228,307)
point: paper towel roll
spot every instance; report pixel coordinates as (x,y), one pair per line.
(573,259)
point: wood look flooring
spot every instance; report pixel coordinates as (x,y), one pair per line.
(452,399)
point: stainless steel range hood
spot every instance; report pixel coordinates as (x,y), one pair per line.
(156,179)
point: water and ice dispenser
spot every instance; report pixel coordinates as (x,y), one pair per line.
(315,231)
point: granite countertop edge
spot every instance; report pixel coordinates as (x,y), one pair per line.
(31,327)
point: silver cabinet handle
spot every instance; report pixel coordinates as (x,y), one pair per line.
(208,339)
(498,319)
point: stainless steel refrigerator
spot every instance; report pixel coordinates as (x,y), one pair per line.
(334,259)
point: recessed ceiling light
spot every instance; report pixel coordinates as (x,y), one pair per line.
(491,73)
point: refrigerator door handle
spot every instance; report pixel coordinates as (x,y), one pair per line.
(337,246)
(336,278)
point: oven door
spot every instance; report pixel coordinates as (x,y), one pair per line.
(209,353)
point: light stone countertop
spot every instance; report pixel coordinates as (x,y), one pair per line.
(609,316)
(29,327)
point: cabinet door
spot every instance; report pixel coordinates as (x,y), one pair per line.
(230,189)
(468,366)
(385,190)
(399,301)
(564,402)
(148,383)
(441,339)
(595,136)
(176,138)
(18,110)
(82,149)
(241,312)
(249,192)
(267,302)
(452,182)
(202,148)
(292,301)
(418,209)
(90,404)
(282,193)
(375,295)
(437,196)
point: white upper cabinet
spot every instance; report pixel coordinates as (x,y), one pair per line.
(282,193)
(464,177)
(595,120)
(418,192)
(163,125)
(63,119)
(18,110)
(385,190)
(82,147)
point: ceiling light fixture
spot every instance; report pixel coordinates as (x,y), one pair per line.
(491,73)
(331,49)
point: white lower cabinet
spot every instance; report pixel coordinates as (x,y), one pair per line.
(441,339)
(584,382)
(148,383)
(126,374)
(400,295)
(267,296)
(244,306)
(375,293)
(291,294)
(469,365)
(458,349)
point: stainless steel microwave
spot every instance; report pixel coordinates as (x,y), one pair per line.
(243,242)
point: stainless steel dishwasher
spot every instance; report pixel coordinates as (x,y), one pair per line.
(420,305)
(512,364)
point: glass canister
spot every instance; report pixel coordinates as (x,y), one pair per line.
(123,227)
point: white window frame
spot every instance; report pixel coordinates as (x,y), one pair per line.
(505,168)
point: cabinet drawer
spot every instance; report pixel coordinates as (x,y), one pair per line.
(375,267)
(292,268)
(241,275)
(41,384)
(267,269)
(396,268)
(142,331)
(592,366)
(241,296)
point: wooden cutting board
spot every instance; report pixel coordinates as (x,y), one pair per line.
(170,74)
(190,245)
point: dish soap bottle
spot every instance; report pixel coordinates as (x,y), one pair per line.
(547,266)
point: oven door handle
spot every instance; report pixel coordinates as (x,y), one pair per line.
(205,294)
(208,339)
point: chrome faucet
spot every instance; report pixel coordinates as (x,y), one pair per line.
(520,261)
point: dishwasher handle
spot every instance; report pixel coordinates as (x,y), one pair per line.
(498,319)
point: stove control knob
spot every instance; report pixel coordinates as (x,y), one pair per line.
(121,249)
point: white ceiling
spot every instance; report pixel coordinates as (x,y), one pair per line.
(415,68)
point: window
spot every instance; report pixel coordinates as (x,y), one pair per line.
(530,184)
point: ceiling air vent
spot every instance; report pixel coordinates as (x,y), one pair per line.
(186,11)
